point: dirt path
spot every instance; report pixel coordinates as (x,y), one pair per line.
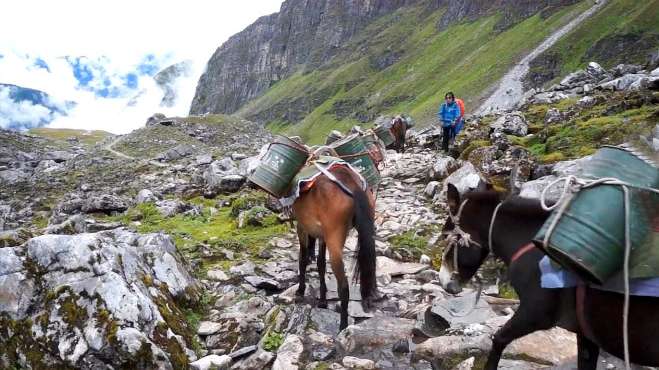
(109,148)
(510,89)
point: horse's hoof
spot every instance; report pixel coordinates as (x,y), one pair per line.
(322,304)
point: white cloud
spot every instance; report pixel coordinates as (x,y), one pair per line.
(22,114)
(116,35)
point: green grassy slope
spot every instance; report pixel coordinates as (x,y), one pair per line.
(630,24)
(88,137)
(467,58)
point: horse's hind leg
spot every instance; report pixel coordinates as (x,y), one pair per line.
(322,303)
(335,243)
(588,352)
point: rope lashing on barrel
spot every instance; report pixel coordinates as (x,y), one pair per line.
(571,187)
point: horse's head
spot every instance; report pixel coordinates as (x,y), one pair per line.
(465,233)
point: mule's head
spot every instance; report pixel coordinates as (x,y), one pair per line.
(466,243)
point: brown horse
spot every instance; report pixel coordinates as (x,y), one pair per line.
(398,129)
(594,315)
(327,211)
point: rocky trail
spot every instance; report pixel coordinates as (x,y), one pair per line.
(110,148)
(510,89)
(107,261)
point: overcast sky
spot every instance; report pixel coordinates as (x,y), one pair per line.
(121,41)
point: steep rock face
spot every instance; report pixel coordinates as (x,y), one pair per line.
(304,32)
(512,10)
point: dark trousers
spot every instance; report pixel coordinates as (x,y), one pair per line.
(447,133)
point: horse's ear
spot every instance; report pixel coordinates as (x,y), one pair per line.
(453,198)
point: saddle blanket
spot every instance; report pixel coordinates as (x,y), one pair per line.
(308,174)
(553,277)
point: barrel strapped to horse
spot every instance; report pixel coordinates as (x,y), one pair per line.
(321,165)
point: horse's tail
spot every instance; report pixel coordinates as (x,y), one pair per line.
(363,221)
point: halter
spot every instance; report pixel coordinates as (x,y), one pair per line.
(465,237)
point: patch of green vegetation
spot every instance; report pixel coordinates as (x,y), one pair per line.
(507,291)
(619,18)
(621,117)
(466,58)
(475,144)
(247,201)
(272,341)
(18,343)
(87,137)
(410,244)
(322,366)
(217,231)
(71,312)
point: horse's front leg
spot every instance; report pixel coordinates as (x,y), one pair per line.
(524,321)
(588,352)
(303,260)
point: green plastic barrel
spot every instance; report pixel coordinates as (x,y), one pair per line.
(279,165)
(384,133)
(589,239)
(352,150)
(333,136)
(372,144)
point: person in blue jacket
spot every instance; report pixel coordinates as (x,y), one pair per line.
(448,114)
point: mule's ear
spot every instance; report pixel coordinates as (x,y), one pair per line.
(453,198)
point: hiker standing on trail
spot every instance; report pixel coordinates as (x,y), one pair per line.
(448,114)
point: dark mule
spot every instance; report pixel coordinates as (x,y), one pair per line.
(327,212)
(594,315)
(399,129)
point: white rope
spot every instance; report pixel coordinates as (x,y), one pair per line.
(625,309)
(572,186)
(489,233)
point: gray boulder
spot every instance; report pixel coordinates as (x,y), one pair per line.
(466,178)
(553,115)
(101,298)
(596,71)
(13,176)
(624,69)
(213,362)
(443,167)
(203,159)
(623,83)
(177,152)
(171,207)
(375,332)
(145,196)
(533,189)
(58,156)
(511,123)
(105,203)
(289,353)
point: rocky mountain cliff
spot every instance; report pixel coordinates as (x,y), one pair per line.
(305,35)
(317,66)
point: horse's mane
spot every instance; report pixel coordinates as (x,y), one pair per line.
(515,204)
